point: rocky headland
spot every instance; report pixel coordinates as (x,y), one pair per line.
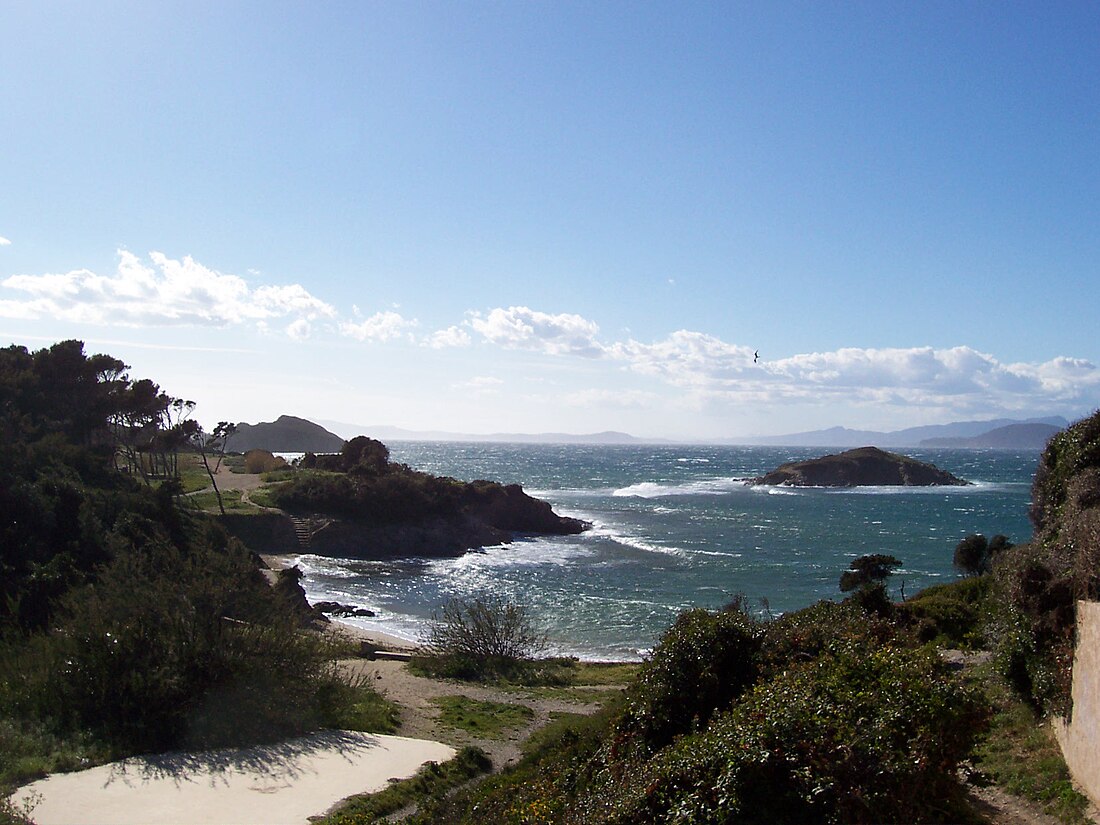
(358,504)
(862,467)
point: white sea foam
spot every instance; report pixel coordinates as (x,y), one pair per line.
(312,565)
(974,488)
(702,487)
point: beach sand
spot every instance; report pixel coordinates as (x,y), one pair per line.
(274,784)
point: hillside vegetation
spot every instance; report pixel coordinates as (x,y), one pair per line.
(130,623)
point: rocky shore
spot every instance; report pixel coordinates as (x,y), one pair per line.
(862,467)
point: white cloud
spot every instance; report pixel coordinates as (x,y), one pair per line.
(4,241)
(957,378)
(169,291)
(299,330)
(454,336)
(688,358)
(382,326)
(524,328)
(480,383)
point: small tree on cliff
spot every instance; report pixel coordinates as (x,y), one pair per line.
(974,555)
(867,576)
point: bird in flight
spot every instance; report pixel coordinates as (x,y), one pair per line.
(756,356)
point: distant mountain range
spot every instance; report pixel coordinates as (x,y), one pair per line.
(291,434)
(1010,434)
(387,433)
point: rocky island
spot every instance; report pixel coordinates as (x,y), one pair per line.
(862,467)
(359,504)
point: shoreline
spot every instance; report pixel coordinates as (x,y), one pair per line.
(339,627)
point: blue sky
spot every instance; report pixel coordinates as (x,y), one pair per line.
(534,216)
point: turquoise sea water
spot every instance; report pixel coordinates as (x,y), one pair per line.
(674,527)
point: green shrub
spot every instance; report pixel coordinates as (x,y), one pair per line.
(801,636)
(953,614)
(481,638)
(1068,453)
(555,769)
(1033,624)
(703,662)
(855,736)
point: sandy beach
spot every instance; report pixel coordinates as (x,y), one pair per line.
(284,783)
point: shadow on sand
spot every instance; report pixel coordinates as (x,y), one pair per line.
(286,760)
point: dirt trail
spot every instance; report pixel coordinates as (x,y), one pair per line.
(420,715)
(228,480)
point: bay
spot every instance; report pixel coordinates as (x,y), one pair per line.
(674,526)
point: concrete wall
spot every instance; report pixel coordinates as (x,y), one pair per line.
(1080,739)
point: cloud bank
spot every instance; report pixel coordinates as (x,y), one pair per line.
(172,292)
(693,368)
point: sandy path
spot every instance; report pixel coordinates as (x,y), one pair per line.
(270,785)
(228,480)
(420,715)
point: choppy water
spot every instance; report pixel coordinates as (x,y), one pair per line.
(675,527)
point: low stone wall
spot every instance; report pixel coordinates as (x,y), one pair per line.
(1080,738)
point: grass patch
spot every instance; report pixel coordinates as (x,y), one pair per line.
(208,501)
(1021,755)
(552,672)
(487,720)
(235,463)
(263,497)
(584,695)
(28,751)
(359,707)
(282,474)
(431,783)
(605,673)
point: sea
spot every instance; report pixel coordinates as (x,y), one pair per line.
(676,527)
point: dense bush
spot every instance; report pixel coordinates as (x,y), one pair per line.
(1038,584)
(399,496)
(855,736)
(702,664)
(953,614)
(169,647)
(806,634)
(1067,454)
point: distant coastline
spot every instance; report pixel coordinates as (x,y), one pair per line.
(999,433)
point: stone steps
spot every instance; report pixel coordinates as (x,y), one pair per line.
(303,529)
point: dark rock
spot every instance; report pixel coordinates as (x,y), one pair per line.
(288,586)
(508,508)
(342,610)
(862,467)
